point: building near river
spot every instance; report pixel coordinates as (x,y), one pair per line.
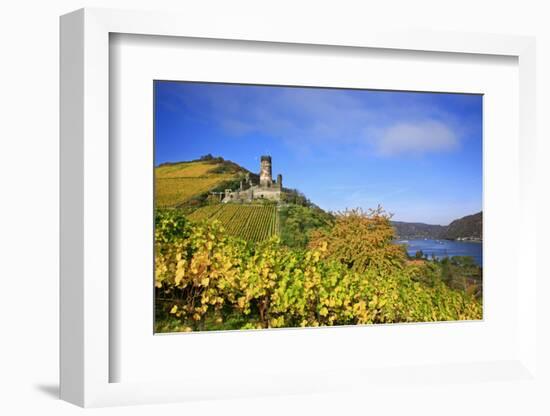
(266,189)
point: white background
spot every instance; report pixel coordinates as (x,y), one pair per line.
(29,217)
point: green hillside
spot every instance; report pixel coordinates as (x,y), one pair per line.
(180,184)
(467,227)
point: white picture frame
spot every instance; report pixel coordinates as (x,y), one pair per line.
(85,350)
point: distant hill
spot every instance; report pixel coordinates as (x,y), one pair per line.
(469,227)
(416,230)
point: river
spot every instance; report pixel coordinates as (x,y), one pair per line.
(445,248)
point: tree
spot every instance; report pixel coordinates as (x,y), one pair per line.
(298,221)
(360,240)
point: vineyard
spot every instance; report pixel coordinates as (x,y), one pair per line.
(177,183)
(249,222)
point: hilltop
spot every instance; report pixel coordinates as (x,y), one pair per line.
(179,184)
(189,184)
(199,186)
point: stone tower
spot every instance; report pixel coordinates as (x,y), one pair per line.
(265,172)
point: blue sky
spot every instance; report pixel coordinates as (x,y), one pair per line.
(419,155)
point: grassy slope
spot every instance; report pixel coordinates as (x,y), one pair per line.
(175,184)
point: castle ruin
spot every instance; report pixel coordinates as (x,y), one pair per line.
(266,189)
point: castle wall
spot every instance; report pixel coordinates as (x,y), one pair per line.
(272,194)
(253,193)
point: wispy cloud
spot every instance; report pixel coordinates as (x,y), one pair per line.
(416,138)
(311,119)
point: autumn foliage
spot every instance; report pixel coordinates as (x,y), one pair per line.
(350,274)
(361,240)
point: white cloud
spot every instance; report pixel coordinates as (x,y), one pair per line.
(416,138)
(314,120)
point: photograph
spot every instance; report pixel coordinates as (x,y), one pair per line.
(304,206)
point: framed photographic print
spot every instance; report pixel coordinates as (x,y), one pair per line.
(236,248)
(322,212)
